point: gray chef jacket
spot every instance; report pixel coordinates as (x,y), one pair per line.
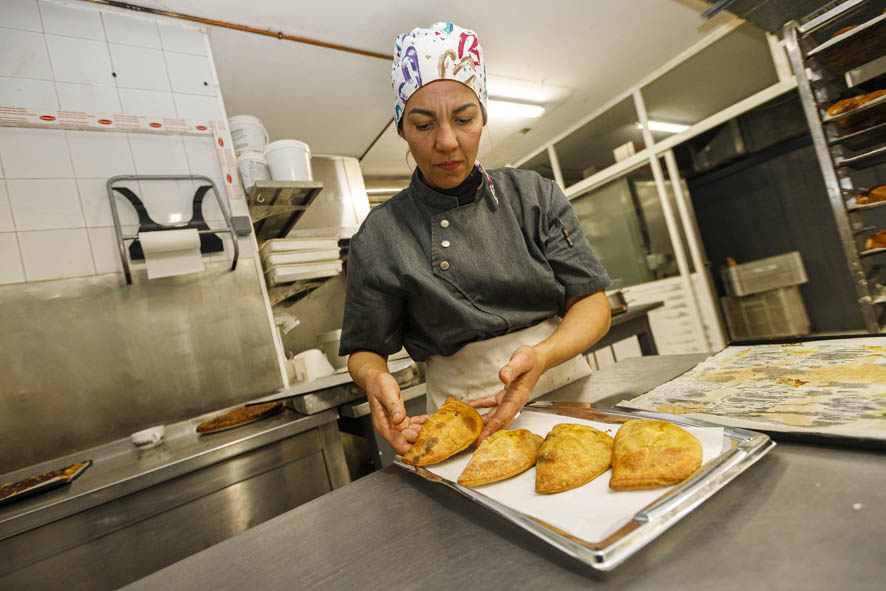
(433,276)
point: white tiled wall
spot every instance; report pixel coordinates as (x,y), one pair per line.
(55,219)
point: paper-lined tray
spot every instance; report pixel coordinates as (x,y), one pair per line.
(824,391)
(594,524)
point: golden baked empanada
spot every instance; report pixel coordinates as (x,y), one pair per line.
(452,428)
(501,455)
(571,455)
(649,454)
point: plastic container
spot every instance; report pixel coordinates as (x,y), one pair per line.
(316,364)
(150,437)
(289,160)
(253,167)
(248,134)
(776,313)
(329,342)
(766,274)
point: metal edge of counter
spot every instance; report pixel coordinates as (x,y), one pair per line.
(257,436)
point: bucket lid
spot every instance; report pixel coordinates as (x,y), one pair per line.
(244,119)
(284,144)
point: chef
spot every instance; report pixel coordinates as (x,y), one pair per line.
(483,274)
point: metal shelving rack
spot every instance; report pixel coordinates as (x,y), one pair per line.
(847,143)
(275,206)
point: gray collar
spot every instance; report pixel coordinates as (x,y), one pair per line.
(438,200)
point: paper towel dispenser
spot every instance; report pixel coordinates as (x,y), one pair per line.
(171,238)
(343,204)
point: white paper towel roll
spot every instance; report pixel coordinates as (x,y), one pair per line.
(171,252)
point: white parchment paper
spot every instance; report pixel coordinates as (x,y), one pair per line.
(591,512)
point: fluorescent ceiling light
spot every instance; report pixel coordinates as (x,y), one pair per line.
(664,127)
(514,109)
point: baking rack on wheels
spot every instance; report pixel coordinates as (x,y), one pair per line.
(840,54)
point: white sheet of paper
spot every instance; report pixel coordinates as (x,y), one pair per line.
(591,512)
(171,252)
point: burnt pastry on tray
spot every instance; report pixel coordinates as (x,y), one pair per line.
(571,456)
(11,489)
(649,454)
(501,455)
(454,427)
(239,416)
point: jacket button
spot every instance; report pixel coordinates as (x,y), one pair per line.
(445,244)
(444,223)
(444,265)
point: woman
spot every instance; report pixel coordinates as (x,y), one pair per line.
(469,269)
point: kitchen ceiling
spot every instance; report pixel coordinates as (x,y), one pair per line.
(573,55)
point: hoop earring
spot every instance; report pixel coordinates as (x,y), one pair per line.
(406,159)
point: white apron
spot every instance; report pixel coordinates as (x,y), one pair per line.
(472,373)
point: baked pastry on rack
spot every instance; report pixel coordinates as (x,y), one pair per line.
(873,195)
(878,240)
(843,106)
(870,96)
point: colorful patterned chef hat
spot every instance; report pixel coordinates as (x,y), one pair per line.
(443,51)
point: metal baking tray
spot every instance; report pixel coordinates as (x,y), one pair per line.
(47,485)
(852,205)
(745,448)
(862,44)
(862,140)
(862,161)
(871,251)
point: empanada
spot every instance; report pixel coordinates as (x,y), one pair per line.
(452,428)
(501,455)
(571,455)
(649,454)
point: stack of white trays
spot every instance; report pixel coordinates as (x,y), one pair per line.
(286,260)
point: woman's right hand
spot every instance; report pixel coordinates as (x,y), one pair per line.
(370,371)
(388,412)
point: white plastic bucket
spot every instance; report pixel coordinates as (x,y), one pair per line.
(248,134)
(289,160)
(329,343)
(253,167)
(316,364)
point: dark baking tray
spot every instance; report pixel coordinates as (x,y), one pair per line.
(862,140)
(47,485)
(862,161)
(864,43)
(271,412)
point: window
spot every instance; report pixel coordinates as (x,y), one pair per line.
(624,223)
(589,148)
(727,71)
(541,164)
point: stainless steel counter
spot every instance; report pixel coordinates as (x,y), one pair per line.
(135,511)
(804,517)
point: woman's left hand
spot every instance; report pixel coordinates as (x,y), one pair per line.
(519,377)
